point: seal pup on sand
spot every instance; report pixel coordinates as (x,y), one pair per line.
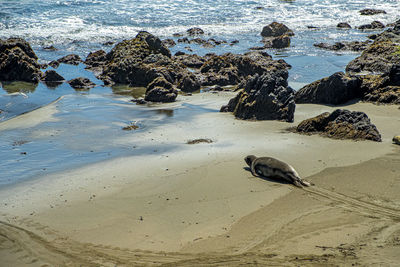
(274,168)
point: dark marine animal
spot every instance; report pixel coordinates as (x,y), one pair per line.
(274,168)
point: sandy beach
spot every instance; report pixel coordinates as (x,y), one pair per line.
(199,205)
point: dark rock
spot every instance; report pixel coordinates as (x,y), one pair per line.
(177,34)
(184,40)
(345,46)
(52,76)
(312,27)
(341,124)
(277,42)
(189,83)
(385,95)
(265,97)
(169,43)
(372,26)
(191,61)
(71,59)
(370,11)
(379,57)
(18,62)
(234,42)
(160,90)
(50,48)
(81,83)
(194,31)
(343,25)
(396,139)
(96,59)
(335,89)
(276,29)
(180,53)
(109,43)
(394,73)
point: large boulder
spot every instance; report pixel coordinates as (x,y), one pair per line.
(341,124)
(276,29)
(372,26)
(335,89)
(18,61)
(160,90)
(95,59)
(264,97)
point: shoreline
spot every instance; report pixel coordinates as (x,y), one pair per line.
(200,194)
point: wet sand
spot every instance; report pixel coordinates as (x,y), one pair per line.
(199,205)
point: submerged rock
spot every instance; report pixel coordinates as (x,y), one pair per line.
(195,31)
(169,43)
(18,61)
(343,25)
(336,89)
(52,79)
(345,46)
(341,124)
(81,83)
(160,90)
(71,59)
(264,97)
(372,26)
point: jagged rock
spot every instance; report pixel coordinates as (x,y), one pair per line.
(277,42)
(341,124)
(335,89)
(189,83)
(18,62)
(160,90)
(71,59)
(81,83)
(191,61)
(370,11)
(50,48)
(344,46)
(96,59)
(276,29)
(52,76)
(372,26)
(194,31)
(265,97)
(169,43)
(379,57)
(385,95)
(343,25)
(396,139)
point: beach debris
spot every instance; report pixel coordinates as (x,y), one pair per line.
(264,97)
(274,168)
(132,126)
(160,90)
(396,139)
(199,140)
(341,124)
(81,83)
(336,89)
(18,61)
(371,11)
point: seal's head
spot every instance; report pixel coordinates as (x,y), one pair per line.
(249,159)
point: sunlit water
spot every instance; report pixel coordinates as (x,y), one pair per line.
(87,121)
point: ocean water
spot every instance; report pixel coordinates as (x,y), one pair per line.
(87,119)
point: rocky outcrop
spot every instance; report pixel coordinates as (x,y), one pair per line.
(160,90)
(18,62)
(169,43)
(276,35)
(335,89)
(96,59)
(81,83)
(341,124)
(264,97)
(345,46)
(372,26)
(195,31)
(276,29)
(71,59)
(371,11)
(52,76)
(343,25)
(189,83)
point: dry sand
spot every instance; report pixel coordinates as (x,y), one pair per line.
(199,205)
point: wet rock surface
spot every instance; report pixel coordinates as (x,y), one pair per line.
(371,11)
(18,62)
(341,124)
(276,35)
(71,59)
(396,139)
(336,89)
(52,76)
(81,83)
(264,97)
(345,46)
(95,59)
(343,25)
(160,90)
(372,26)
(195,31)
